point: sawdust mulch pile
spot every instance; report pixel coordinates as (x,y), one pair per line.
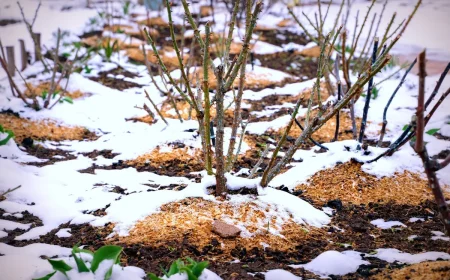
(182,156)
(43,130)
(437,270)
(350,184)
(38,90)
(192,218)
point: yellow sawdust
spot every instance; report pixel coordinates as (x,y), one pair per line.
(192,218)
(95,41)
(181,156)
(37,90)
(350,184)
(438,270)
(252,80)
(154,21)
(43,130)
(183,107)
(285,23)
(326,132)
(167,55)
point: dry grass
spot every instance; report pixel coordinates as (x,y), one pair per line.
(192,218)
(38,90)
(43,130)
(350,184)
(422,271)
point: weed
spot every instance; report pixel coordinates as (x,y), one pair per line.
(192,269)
(108,252)
(9,135)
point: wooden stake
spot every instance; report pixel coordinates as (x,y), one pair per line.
(11,60)
(37,47)
(23,55)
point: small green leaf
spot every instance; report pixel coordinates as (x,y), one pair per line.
(80,263)
(375,93)
(77,45)
(153,276)
(189,273)
(432,131)
(67,99)
(44,94)
(46,277)
(10,135)
(60,266)
(66,55)
(78,250)
(405,127)
(108,252)
(108,273)
(175,267)
(199,267)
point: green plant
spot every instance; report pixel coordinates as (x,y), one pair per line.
(126,7)
(193,269)
(348,49)
(108,252)
(432,131)
(60,99)
(109,48)
(9,135)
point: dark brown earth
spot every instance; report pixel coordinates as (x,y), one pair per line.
(354,219)
(119,84)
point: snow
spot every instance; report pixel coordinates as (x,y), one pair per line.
(10,225)
(380,223)
(437,48)
(335,263)
(439,235)
(64,232)
(25,263)
(59,194)
(277,274)
(412,237)
(392,255)
(416,219)
(206,275)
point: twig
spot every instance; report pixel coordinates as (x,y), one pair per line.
(259,162)
(421,150)
(383,128)
(10,190)
(205,87)
(336,132)
(310,138)
(368,96)
(221,187)
(156,108)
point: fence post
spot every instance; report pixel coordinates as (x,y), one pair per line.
(37,47)
(23,55)
(11,60)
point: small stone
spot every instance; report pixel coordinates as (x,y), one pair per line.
(225,230)
(335,204)
(27,142)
